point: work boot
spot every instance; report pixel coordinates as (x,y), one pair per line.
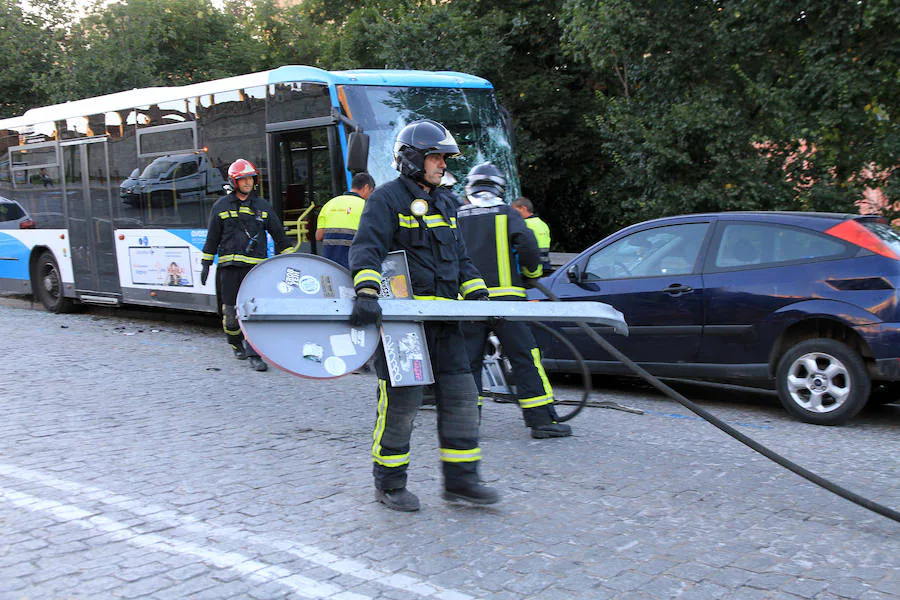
(550,431)
(472,492)
(239,354)
(400,499)
(258,363)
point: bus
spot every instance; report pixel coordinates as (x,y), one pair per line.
(118,188)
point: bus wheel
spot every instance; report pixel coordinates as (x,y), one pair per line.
(49,287)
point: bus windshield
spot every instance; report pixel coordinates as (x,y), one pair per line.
(471,115)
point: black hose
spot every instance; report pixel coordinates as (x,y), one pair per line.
(585,372)
(882,510)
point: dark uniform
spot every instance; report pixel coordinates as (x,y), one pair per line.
(495,235)
(237,232)
(439,269)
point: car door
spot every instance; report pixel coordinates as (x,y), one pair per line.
(652,276)
(753,270)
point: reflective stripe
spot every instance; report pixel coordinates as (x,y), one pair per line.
(534,274)
(415,297)
(253,260)
(206,256)
(547,396)
(504,277)
(390,460)
(407,221)
(508,291)
(287,250)
(436,221)
(367,275)
(472,285)
(458,456)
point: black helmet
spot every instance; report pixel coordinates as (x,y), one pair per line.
(416,141)
(485,178)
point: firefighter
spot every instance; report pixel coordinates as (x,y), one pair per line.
(538,226)
(496,235)
(237,230)
(339,219)
(415,214)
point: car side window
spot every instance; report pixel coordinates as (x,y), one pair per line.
(669,250)
(745,245)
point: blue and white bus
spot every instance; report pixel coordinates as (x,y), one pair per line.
(118,188)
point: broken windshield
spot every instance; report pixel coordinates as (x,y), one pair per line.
(471,115)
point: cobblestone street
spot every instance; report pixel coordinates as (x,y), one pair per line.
(139,460)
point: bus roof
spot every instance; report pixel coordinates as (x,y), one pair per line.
(289,73)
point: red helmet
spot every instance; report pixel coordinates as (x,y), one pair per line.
(239,169)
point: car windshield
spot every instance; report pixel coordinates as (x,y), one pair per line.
(472,116)
(158,167)
(885,233)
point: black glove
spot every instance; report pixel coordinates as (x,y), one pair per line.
(204,273)
(366,310)
(480,295)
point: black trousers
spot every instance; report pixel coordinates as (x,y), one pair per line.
(533,389)
(456,400)
(228,280)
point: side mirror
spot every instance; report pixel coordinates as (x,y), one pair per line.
(357,152)
(573,274)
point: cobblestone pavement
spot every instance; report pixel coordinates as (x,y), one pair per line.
(139,460)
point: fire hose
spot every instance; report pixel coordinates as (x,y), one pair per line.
(728,429)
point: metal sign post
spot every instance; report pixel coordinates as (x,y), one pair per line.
(294,310)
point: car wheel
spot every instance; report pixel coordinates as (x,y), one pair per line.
(49,285)
(822,381)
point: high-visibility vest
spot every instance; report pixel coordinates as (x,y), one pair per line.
(339,218)
(542,234)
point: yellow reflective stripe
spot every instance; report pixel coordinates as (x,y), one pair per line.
(365,275)
(390,460)
(287,250)
(240,258)
(508,291)
(547,396)
(533,274)
(472,285)
(231,331)
(415,297)
(206,256)
(407,221)
(436,221)
(536,401)
(457,456)
(452,222)
(226,213)
(502,243)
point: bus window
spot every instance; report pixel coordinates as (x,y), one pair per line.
(295,101)
(233,124)
(38,186)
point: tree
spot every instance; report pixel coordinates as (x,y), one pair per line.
(750,105)
(25,48)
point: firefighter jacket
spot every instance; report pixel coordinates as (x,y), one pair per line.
(542,234)
(495,236)
(237,232)
(400,215)
(339,219)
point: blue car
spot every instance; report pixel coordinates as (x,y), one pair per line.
(807,303)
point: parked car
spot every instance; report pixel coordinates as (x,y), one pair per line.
(171,178)
(13,215)
(807,303)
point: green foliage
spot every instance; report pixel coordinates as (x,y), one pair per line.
(623,109)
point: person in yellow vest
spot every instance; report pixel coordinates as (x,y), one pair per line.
(537,225)
(339,219)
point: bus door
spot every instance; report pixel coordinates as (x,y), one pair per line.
(89,220)
(308,170)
